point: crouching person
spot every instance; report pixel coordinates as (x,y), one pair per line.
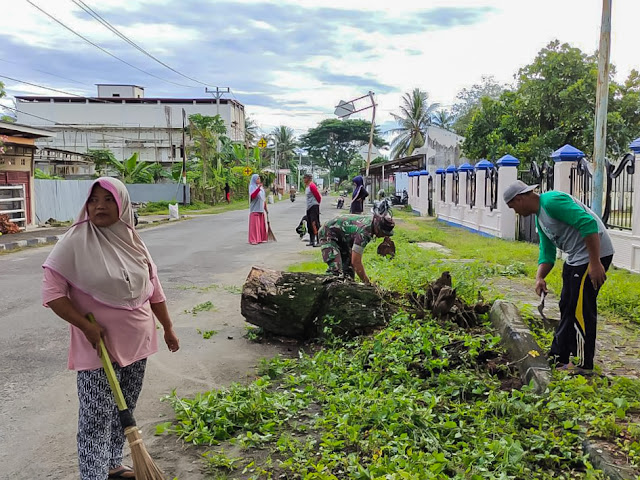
(344,238)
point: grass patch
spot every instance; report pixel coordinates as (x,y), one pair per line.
(201,307)
(206,334)
(195,208)
(420,398)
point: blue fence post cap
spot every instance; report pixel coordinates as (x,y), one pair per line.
(423,172)
(465,167)
(451,169)
(508,161)
(567,153)
(413,174)
(484,165)
(440,170)
(635,146)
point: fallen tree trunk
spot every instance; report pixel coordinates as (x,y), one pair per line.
(296,304)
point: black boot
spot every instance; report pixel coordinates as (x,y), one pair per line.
(312,240)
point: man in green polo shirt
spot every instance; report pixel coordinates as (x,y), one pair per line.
(565,223)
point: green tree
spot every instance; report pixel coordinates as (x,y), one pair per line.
(102,159)
(334,144)
(443,119)
(414,119)
(287,143)
(553,104)
(468,101)
(250,132)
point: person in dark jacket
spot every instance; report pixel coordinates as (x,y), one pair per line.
(359,194)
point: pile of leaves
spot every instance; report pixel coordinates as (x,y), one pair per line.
(7,226)
(428,397)
(420,399)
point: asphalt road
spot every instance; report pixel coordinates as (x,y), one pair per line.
(200,259)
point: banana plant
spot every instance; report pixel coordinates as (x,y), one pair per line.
(133,171)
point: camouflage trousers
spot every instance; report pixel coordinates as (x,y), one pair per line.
(338,259)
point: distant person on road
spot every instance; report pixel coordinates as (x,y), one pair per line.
(227,192)
(257,209)
(102,266)
(358,196)
(566,223)
(313,209)
(344,238)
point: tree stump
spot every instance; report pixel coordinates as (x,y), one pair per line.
(295,304)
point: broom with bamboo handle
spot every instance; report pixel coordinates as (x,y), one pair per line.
(143,465)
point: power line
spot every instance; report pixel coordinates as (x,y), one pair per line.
(102,49)
(46,73)
(53,89)
(113,29)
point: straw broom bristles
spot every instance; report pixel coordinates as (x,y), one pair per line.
(143,465)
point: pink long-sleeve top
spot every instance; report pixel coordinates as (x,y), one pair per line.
(130,335)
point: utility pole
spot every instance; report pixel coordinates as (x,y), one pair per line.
(275,159)
(299,165)
(602,100)
(219,91)
(184,160)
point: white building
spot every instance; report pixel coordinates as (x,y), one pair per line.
(441,148)
(122,120)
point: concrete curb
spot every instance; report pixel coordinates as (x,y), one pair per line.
(520,344)
(532,362)
(51,239)
(31,242)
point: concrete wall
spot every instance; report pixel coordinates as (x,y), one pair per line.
(153,129)
(63,199)
(501,221)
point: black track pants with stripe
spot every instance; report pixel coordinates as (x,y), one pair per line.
(576,333)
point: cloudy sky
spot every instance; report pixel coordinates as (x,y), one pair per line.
(291,61)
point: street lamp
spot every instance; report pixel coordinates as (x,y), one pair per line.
(299,151)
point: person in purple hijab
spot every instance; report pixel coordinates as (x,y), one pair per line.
(359,194)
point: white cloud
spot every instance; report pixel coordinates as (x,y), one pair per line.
(504,39)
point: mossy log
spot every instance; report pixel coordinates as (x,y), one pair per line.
(296,304)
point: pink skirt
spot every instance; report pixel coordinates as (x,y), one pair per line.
(257,228)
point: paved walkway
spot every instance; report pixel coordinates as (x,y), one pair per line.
(617,344)
(42,235)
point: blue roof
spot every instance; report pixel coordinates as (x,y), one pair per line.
(451,169)
(440,170)
(508,161)
(465,167)
(635,145)
(423,172)
(567,153)
(414,174)
(484,165)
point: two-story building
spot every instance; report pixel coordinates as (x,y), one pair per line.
(123,120)
(17,171)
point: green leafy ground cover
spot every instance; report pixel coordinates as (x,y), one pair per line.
(419,399)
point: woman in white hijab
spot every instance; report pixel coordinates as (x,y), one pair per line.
(257,209)
(102,266)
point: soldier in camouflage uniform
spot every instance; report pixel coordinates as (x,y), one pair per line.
(344,238)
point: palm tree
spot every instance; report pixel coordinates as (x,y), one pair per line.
(415,116)
(444,119)
(287,144)
(250,132)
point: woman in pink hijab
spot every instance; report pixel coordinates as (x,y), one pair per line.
(102,266)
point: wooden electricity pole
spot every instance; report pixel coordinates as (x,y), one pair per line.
(602,101)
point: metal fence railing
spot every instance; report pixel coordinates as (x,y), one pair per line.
(618,209)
